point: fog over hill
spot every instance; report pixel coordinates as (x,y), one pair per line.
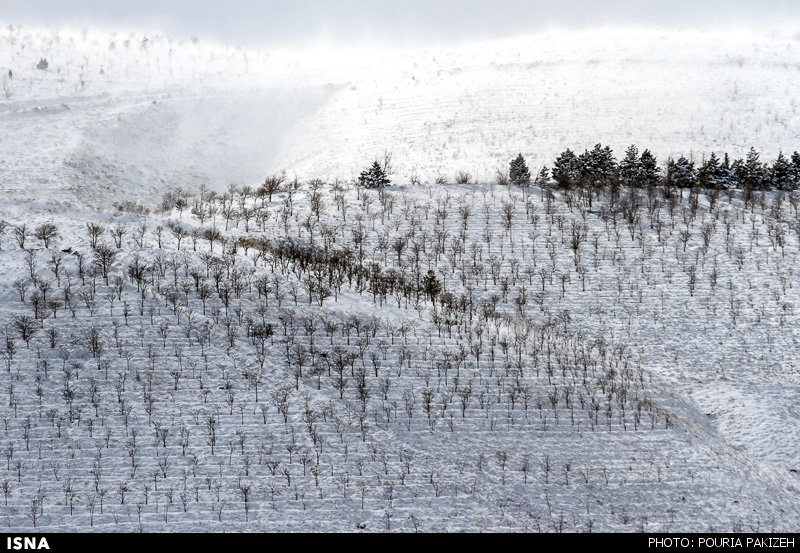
(114,109)
(210,320)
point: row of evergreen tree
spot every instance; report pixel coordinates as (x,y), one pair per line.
(599,167)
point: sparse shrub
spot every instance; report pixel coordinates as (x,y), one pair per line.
(463,177)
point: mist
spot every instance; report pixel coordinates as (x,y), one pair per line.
(295,23)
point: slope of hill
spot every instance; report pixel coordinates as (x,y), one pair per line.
(238,357)
(225,115)
(285,372)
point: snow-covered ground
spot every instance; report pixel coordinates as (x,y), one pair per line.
(164,111)
(633,400)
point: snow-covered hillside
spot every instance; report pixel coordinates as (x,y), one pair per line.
(306,354)
(128,114)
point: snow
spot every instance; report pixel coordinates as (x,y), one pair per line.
(714,370)
(323,111)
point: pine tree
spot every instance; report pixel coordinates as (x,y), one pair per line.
(713,174)
(796,165)
(431,285)
(754,174)
(681,173)
(374,177)
(598,166)
(650,169)
(782,173)
(636,170)
(738,171)
(544,176)
(630,168)
(726,178)
(518,172)
(566,169)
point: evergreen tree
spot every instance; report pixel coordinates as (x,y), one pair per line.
(518,172)
(681,173)
(431,285)
(374,177)
(544,176)
(782,173)
(566,169)
(754,174)
(636,170)
(738,172)
(726,178)
(796,165)
(650,169)
(598,166)
(713,174)
(630,168)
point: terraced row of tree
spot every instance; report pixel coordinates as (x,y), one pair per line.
(330,357)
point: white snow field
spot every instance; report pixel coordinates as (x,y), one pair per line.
(235,356)
(200,113)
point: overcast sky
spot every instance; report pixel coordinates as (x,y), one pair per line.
(250,22)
